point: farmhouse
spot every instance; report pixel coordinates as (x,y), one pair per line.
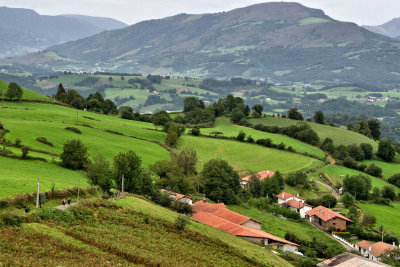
(260,175)
(218,216)
(349,259)
(374,251)
(294,203)
(327,219)
(178,197)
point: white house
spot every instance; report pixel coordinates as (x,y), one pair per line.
(294,203)
(178,197)
(373,251)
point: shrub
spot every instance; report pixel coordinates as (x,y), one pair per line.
(264,142)
(18,142)
(281,146)
(388,192)
(374,170)
(349,162)
(395,180)
(182,207)
(73,129)
(181,222)
(10,219)
(345,235)
(25,152)
(250,139)
(241,136)
(195,131)
(44,140)
(52,214)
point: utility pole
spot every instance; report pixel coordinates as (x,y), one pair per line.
(122,184)
(37,195)
(79,185)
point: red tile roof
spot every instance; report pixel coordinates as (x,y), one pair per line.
(377,249)
(221,211)
(325,214)
(260,175)
(284,195)
(235,229)
(295,204)
(176,196)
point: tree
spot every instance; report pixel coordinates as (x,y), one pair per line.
(257,110)
(349,162)
(358,185)
(160,119)
(374,170)
(241,136)
(61,94)
(319,117)
(221,182)
(74,155)
(368,220)
(256,187)
(14,91)
(391,257)
(294,114)
(386,150)
(136,179)
(187,160)
(375,127)
(195,131)
(368,150)
(190,103)
(356,152)
(347,199)
(395,180)
(172,135)
(99,173)
(388,192)
(328,201)
(328,146)
(354,214)
(297,178)
(237,115)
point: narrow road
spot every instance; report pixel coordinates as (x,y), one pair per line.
(64,207)
(332,190)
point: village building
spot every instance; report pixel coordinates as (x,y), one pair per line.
(374,251)
(294,203)
(218,216)
(178,197)
(260,175)
(327,219)
(350,260)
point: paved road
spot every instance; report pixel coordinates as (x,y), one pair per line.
(66,206)
(332,190)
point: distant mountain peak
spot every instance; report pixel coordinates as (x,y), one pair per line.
(390,28)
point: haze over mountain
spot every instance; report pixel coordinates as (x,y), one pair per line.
(25,31)
(284,41)
(391,28)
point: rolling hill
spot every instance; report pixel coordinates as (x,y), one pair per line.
(25,31)
(391,28)
(283,41)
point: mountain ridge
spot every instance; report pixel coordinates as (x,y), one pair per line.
(390,28)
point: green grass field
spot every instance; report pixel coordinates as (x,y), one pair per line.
(225,126)
(338,173)
(21,176)
(387,216)
(244,156)
(339,136)
(388,169)
(27,95)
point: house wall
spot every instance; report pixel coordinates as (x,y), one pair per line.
(338,223)
(257,240)
(186,200)
(304,210)
(281,201)
(252,224)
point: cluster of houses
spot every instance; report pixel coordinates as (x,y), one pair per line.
(374,251)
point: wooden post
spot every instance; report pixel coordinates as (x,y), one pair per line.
(122,185)
(79,185)
(37,195)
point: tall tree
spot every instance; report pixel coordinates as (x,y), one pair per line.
(14,91)
(386,150)
(319,117)
(294,114)
(74,155)
(257,110)
(375,127)
(61,94)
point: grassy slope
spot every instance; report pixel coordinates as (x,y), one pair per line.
(111,236)
(28,94)
(338,173)
(387,216)
(279,227)
(244,156)
(19,177)
(339,136)
(388,169)
(225,126)
(252,250)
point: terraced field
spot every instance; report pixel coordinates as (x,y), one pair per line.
(339,136)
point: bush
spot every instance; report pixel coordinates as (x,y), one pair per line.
(182,207)
(250,139)
(52,214)
(10,219)
(395,180)
(241,136)
(73,129)
(349,162)
(264,142)
(195,131)
(25,152)
(281,146)
(44,140)
(18,142)
(181,222)
(374,170)
(345,235)
(74,155)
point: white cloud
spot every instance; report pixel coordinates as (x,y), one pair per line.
(370,12)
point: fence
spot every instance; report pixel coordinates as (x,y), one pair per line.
(343,240)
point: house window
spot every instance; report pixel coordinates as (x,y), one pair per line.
(334,223)
(334,219)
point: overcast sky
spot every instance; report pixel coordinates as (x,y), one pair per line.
(369,12)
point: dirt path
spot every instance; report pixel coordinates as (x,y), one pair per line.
(332,190)
(64,207)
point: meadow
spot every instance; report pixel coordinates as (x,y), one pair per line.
(225,126)
(388,216)
(339,136)
(388,168)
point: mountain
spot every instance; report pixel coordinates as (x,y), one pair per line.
(25,31)
(106,24)
(286,42)
(391,28)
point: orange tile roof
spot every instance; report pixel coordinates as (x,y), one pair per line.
(295,204)
(177,196)
(284,195)
(377,249)
(235,229)
(221,211)
(325,214)
(260,175)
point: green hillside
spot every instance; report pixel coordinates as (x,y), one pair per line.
(27,95)
(339,136)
